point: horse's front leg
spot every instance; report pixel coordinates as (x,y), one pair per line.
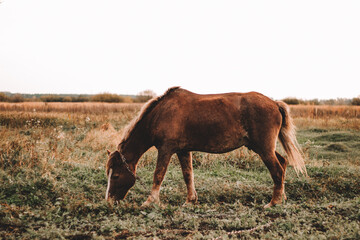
(187,169)
(161,167)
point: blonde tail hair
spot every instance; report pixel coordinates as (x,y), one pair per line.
(287,137)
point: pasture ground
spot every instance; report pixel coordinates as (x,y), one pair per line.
(52,184)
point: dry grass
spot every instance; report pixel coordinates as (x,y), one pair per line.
(53,182)
(297,111)
(306,116)
(327,123)
(335,117)
(86,107)
(321,112)
(103,137)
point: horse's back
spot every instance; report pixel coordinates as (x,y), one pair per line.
(210,123)
(207,107)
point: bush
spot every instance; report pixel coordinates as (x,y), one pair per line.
(107,97)
(67,99)
(313,102)
(292,101)
(51,98)
(17,98)
(80,99)
(355,101)
(145,96)
(3,97)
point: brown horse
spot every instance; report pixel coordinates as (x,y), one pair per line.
(181,122)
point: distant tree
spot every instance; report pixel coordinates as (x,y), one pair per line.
(81,98)
(343,101)
(51,98)
(33,99)
(67,99)
(145,96)
(17,98)
(338,101)
(313,102)
(107,97)
(355,101)
(3,97)
(292,101)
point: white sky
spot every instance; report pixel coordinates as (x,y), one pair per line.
(305,49)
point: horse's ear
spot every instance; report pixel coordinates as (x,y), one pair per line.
(108,152)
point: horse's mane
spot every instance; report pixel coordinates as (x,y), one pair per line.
(145,110)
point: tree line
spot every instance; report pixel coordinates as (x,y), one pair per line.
(102,97)
(143,97)
(338,101)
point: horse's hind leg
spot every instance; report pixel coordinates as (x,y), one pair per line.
(278,175)
(283,163)
(187,169)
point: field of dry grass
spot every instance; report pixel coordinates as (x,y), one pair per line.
(336,117)
(323,111)
(52,174)
(298,111)
(306,116)
(86,107)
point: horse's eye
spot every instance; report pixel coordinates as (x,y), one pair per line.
(114,177)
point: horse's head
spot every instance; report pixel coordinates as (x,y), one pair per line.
(120,177)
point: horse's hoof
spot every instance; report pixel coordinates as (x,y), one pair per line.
(190,203)
(269,205)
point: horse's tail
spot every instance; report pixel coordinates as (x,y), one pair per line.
(288,140)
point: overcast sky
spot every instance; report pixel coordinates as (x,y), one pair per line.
(305,49)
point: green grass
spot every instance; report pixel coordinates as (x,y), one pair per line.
(53,184)
(340,147)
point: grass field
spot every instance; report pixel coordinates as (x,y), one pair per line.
(53,181)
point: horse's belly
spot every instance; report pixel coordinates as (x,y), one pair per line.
(216,142)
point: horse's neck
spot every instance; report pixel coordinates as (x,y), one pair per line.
(134,148)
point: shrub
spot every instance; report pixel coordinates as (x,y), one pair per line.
(3,97)
(67,99)
(313,102)
(80,98)
(51,98)
(292,101)
(145,96)
(355,101)
(17,98)
(107,97)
